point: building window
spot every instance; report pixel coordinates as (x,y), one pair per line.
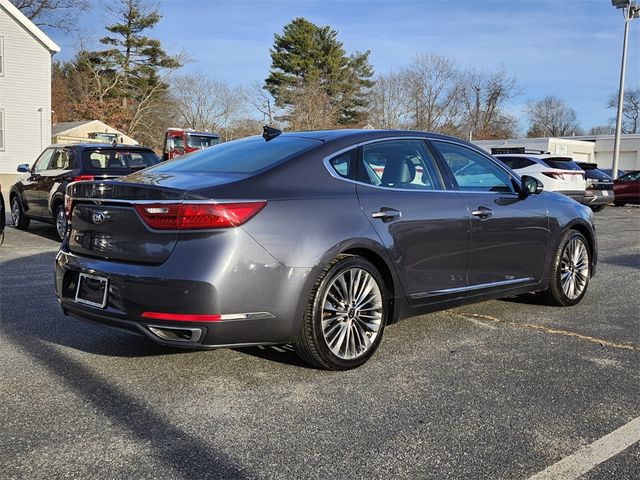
(1,56)
(1,129)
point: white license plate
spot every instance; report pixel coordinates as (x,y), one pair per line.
(605,193)
(92,290)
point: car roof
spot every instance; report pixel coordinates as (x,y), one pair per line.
(94,146)
(364,134)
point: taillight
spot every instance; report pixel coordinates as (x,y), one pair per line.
(81,178)
(554,175)
(197,216)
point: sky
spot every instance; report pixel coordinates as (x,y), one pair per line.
(567,48)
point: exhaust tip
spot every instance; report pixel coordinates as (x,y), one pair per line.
(176,334)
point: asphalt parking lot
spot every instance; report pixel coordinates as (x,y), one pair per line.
(501,389)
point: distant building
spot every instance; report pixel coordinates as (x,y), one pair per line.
(88,131)
(589,148)
(25,90)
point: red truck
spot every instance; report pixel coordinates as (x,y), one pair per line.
(178,141)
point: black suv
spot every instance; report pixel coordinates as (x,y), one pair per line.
(599,191)
(39,194)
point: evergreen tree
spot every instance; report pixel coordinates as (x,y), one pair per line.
(307,58)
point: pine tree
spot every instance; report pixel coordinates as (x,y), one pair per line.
(307,58)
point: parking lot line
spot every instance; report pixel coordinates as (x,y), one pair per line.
(594,454)
(474,317)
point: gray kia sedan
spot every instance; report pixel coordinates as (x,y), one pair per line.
(319,239)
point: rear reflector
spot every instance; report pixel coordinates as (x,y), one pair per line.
(197,216)
(181,317)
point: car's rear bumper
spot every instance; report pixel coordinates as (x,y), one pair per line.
(252,297)
(577,195)
(597,197)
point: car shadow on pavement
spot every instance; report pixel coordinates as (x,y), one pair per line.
(41,229)
(175,449)
(630,260)
(284,354)
(29,308)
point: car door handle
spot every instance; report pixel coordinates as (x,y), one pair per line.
(387,213)
(482,212)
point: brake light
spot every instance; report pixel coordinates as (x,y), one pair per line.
(197,216)
(82,178)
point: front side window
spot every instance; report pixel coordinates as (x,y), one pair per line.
(403,164)
(472,170)
(630,177)
(43,161)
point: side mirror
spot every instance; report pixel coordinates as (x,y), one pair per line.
(23,168)
(531,185)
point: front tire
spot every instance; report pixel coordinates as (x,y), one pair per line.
(570,270)
(345,316)
(20,220)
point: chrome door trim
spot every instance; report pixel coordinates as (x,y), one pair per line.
(480,286)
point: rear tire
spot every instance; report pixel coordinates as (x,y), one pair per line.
(598,208)
(345,315)
(570,271)
(619,203)
(20,220)
(60,222)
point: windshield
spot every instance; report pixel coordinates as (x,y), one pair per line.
(248,155)
(119,160)
(201,141)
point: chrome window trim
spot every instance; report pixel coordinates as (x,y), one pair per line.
(326,160)
(480,286)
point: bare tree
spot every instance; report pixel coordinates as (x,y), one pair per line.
(388,103)
(263,102)
(484,96)
(630,110)
(432,86)
(311,108)
(551,117)
(206,103)
(602,130)
(54,14)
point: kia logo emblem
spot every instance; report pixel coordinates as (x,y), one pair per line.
(98,217)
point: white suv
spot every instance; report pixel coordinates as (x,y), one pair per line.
(557,174)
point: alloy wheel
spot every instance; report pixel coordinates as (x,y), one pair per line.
(15,211)
(352,312)
(574,269)
(61,223)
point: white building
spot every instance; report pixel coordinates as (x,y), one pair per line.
(88,131)
(25,91)
(593,148)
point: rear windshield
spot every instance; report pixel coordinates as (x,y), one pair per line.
(563,163)
(248,155)
(596,173)
(201,141)
(118,160)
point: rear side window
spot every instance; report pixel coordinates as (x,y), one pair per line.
(344,164)
(514,163)
(248,155)
(62,160)
(118,160)
(473,171)
(562,163)
(399,164)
